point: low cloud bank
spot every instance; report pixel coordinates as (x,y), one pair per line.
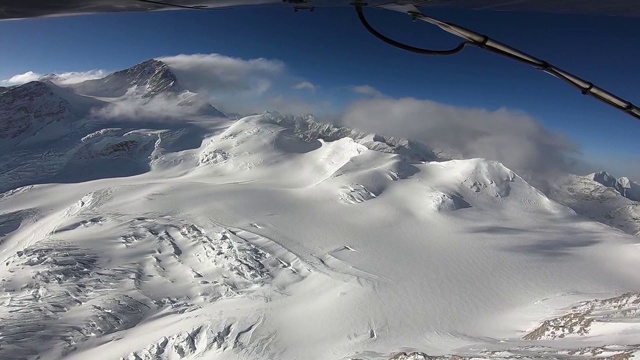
(219,73)
(157,109)
(511,137)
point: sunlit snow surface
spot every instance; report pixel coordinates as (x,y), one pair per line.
(273,237)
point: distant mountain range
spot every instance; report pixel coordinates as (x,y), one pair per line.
(601,197)
(623,185)
(39,112)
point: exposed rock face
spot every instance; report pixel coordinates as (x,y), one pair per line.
(26,110)
(623,185)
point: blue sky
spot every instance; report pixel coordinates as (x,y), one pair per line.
(330,49)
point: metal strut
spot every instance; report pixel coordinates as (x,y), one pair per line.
(484,42)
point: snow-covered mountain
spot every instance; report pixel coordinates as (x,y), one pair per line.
(50,133)
(33,113)
(623,185)
(279,237)
(147,79)
(602,198)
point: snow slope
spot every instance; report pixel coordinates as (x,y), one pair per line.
(271,241)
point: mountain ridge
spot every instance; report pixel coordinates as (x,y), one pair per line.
(148,79)
(28,110)
(623,185)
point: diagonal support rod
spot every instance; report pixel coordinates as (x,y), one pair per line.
(484,42)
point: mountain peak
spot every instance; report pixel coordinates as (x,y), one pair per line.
(147,69)
(603,178)
(623,185)
(147,79)
(151,63)
(308,127)
(154,76)
(27,92)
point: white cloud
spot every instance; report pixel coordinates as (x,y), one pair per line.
(244,86)
(510,137)
(305,85)
(154,109)
(366,90)
(65,78)
(68,78)
(215,72)
(230,84)
(21,78)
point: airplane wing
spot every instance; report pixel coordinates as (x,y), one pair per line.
(628,8)
(18,9)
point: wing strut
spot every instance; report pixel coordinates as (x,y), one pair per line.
(484,42)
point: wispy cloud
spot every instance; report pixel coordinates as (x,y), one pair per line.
(231,84)
(163,108)
(511,137)
(64,78)
(366,90)
(21,78)
(77,77)
(243,85)
(305,85)
(209,72)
